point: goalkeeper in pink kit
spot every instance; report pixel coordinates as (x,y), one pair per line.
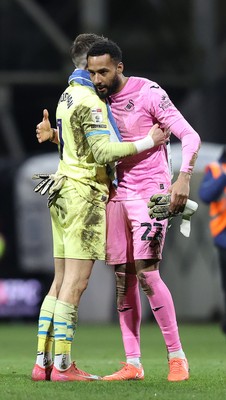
(134,241)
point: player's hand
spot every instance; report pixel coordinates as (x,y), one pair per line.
(44,131)
(158,135)
(179,192)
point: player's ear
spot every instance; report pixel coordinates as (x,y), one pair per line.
(120,68)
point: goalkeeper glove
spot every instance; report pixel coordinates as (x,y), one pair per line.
(159,209)
(51,183)
(159,206)
(45,184)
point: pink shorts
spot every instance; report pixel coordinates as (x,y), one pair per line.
(131,234)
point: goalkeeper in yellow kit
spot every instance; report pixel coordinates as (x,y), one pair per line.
(77,203)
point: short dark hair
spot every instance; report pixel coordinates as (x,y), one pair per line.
(106,47)
(81,45)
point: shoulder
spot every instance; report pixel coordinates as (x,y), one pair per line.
(152,90)
(85,96)
(145,83)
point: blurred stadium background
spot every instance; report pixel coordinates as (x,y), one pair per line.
(179,43)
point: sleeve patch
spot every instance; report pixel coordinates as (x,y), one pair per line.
(100,126)
(165,102)
(97,115)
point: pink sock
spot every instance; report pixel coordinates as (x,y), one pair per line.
(162,306)
(129,312)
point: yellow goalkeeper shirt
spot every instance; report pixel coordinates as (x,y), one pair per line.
(84,142)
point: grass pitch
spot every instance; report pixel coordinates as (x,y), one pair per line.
(98,349)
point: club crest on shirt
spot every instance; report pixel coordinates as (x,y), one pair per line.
(129,106)
(97,115)
(165,102)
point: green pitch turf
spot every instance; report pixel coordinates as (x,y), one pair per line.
(98,349)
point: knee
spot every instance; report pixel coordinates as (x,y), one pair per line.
(74,289)
(82,286)
(148,280)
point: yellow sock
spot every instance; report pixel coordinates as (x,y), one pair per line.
(62,347)
(45,331)
(65,320)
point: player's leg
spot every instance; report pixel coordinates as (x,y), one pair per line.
(129,312)
(43,365)
(77,273)
(148,245)
(127,291)
(84,241)
(162,306)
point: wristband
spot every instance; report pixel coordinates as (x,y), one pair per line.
(144,144)
(53,136)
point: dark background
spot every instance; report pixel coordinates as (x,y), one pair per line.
(181,44)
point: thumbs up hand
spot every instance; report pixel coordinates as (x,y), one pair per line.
(44,131)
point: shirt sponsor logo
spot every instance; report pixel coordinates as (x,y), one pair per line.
(101,126)
(130,106)
(165,102)
(97,115)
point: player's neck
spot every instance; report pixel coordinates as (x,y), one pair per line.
(123,82)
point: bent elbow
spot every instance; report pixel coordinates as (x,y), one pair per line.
(100,158)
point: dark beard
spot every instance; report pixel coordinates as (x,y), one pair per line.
(113,88)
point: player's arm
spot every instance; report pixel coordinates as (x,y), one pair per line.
(169,117)
(190,142)
(105,151)
(94,121)
(44,131)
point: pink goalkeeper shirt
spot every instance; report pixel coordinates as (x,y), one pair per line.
(136,108)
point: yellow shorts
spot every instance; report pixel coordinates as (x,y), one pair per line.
(78,227)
